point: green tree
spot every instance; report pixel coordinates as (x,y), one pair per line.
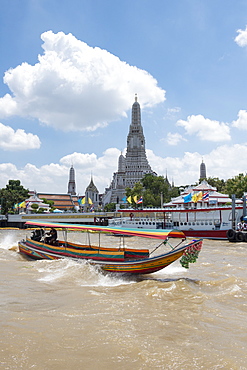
(13,193)
(35,207)
(110,207)
(237,185)
(134,193)
(48,201)
(156,189)
(153,189)
(173,193)
(220,185)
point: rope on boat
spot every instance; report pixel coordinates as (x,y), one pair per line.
(165,242)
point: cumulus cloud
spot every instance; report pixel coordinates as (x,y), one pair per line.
(241,122)
(54,177)
(223,162)
(241,39)
(206,129)
(17,140)
(174,139)
(76,87)
(109,160)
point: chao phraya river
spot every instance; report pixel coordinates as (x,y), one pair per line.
(67,315)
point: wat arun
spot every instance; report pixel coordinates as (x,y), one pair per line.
(134,166)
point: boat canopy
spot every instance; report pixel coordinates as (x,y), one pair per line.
(145,233)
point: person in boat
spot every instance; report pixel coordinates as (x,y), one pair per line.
(37,235)
(52,237)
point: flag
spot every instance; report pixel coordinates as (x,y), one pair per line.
(90,201)
(187,198)
(92,208)
(124,199)
(135,198)
(129,199)
(81,201)
(194,198)
(199,195)
(140,200)
(22,204)
(205,196)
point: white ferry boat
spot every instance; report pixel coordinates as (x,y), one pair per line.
(199,211)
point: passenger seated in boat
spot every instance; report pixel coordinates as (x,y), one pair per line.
(37,235)
(52,238)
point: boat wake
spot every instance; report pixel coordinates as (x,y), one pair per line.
(9,242)
(81,273)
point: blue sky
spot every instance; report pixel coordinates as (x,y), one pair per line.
(70,71)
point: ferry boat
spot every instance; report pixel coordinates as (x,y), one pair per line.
(199,211)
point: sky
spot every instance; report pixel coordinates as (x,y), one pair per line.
(70,71)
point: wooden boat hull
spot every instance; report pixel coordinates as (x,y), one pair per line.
(146,266)
(108,259)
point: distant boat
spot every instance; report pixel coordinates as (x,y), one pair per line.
(119,259)
(199,211)
(209,223)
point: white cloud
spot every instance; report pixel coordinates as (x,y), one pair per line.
(172,113)
(241,122)
(17,140)
(206,129)
(223,162)
(241,39)
(173,110)
(174,139)
(54,177)
(92,164)
(226,161)
(75,86)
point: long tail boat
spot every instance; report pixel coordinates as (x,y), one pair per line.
(118,259)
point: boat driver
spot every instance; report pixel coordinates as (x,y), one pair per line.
(51,239)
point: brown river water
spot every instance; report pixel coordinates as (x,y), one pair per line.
(67,315)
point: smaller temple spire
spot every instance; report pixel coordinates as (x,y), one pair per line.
(71,184)
(203,171)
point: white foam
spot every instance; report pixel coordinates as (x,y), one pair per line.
(8,241)
(80,273)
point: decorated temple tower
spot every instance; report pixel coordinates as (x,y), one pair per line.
(134,166)
(71,184)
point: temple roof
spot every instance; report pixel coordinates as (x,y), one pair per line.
(92,187)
